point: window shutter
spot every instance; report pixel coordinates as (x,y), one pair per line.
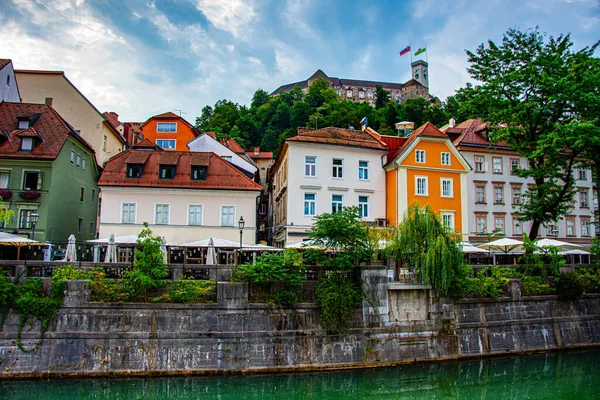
(39,182)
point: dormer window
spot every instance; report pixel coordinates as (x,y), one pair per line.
(26,144)
(24,124)
(198,173)
(166,172)
(134,170)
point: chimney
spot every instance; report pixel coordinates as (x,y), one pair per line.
(452,123)
(364,123)
(114,114)
(256,150)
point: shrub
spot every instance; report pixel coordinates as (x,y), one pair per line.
(590,278)
(191,291)
(535,286)
(569,286)
(69,273)
(338,298)
(481,285)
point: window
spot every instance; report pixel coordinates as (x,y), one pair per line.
(517,227)
(166,172)
(227,215)
(198,173)
(104,143)
(336,202)
(7,80)
(363,206)
(81,194)
(93,195)
(499,224)
(134,170)
(420,156)
(23,124)
(92,232)
(349,93)
(582,173)
(479,163)
(4,179)
(310,166)
(481,224)
(72,156)
(370,94)
(227,158)
(80,225)
(48,101)
(583,199)
(78,161)
(166,144)
(194,214)
(309,204)
(361,94)
(363,170)
(480,194)
(83,163)
(515,164)
(128,213)
(422,189)
(338,168)
(447,188)
(445,158)
(161,214)
(498,195)
(570,227)
(516,195)
(448,220)
(166,127)
(32,181)
(27,144)
(25,219)
(585,227)
(497,162)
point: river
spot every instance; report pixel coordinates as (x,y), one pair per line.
(561,375)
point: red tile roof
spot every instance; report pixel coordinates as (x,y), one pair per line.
(220,173)
(426,130)
(338,137)
(234,146)
(472,132)
(112,119)
(166,115)
(4,62)
(50,128)
(171,115)
(260,155)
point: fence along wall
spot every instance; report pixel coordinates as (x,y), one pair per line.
(232,335)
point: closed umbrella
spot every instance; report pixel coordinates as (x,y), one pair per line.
(111,251)
(163,248)
(71,253)
(211,254)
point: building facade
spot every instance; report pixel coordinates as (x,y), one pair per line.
(207,142)
(169,131)
(9,90)
(321,171)
(495,192)
(46,167)
(183,196)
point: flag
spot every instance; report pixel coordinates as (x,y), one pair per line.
(406,50)
(421,50)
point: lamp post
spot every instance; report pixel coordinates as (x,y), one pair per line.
(34,217)
(241,226)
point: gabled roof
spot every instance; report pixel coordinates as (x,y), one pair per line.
(170,115)
(234,146)
(4,62)
(472,132)
(112,119)
(50,129)
(146,144)
(220,173)
(338,137)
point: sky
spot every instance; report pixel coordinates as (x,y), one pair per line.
(141,57)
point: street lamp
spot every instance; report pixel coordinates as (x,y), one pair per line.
(34,217)
(241,226)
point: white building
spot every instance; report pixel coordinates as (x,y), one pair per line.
(207,143)
(9,91)
(495,191)
(322,171)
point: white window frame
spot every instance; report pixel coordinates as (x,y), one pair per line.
(582,174)
(364,206)
(420,156)
(189,207)
(517,200)
(584,194)
(339,204)
(477,228)
(167,140)
(8,180)
(482,163)
(72,156)
(585,228)
(417,186)
(309,202)
(451,182)
(503,219)
(168,213)
(338,168)
(446,158)
(517,223)
(223,206)
(502,193)
(134,212)
(27,144)
(159,124)
(364,171)
(450,216)
(571,228)
(78,160)
(312,166)
(477,200)
(83,163)
(499,159)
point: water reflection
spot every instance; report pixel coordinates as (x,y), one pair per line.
(568,375)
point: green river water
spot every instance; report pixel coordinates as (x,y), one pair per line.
(564,375)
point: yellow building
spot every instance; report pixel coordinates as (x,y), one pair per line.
(54,89)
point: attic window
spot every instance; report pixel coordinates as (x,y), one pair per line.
(166,172)
(26,144)
(134,170)
(24,124)
(198,173)
(7,80)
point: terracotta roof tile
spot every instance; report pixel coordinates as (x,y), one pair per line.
(472,133)
(112,119)
(427,129)
(4,62)
(146,144)
(220,173)
(338,137)
(138,157)
(166,115)
(49,126)
(234,146)
(169,158)
(260,155)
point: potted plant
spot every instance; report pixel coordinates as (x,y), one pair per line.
(5,194)
(30,194)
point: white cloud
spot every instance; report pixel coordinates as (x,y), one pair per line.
(234,16)
(296,13)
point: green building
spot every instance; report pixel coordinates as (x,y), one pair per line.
(48,169)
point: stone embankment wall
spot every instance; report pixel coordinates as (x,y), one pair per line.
(232,335)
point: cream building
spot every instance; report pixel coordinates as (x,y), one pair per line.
(54,89)
(322,171)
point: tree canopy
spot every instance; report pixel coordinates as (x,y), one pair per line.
(536,91)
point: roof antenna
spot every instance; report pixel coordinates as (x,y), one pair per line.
(180,112)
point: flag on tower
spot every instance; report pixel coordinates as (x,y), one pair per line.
(406,50)
(421,50)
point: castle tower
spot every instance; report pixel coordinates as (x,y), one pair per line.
(420,72)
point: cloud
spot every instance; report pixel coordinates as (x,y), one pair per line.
(234,16)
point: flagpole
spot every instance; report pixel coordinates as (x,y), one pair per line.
(410,47)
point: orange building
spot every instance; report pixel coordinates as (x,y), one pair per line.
(169,131)
(426,168)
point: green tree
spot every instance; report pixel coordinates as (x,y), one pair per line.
(203,121)
(532,87)
(260,97)
(316,93)
(383,97)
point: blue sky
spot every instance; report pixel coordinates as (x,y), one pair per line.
(140,57)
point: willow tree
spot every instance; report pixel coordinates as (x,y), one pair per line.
(427,246)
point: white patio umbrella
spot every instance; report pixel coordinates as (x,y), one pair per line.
(163,248)
(211,254)
(8,239)
(554,242)
(111,250)
(71,252)
(575,252)
(504,245)
(469,248)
